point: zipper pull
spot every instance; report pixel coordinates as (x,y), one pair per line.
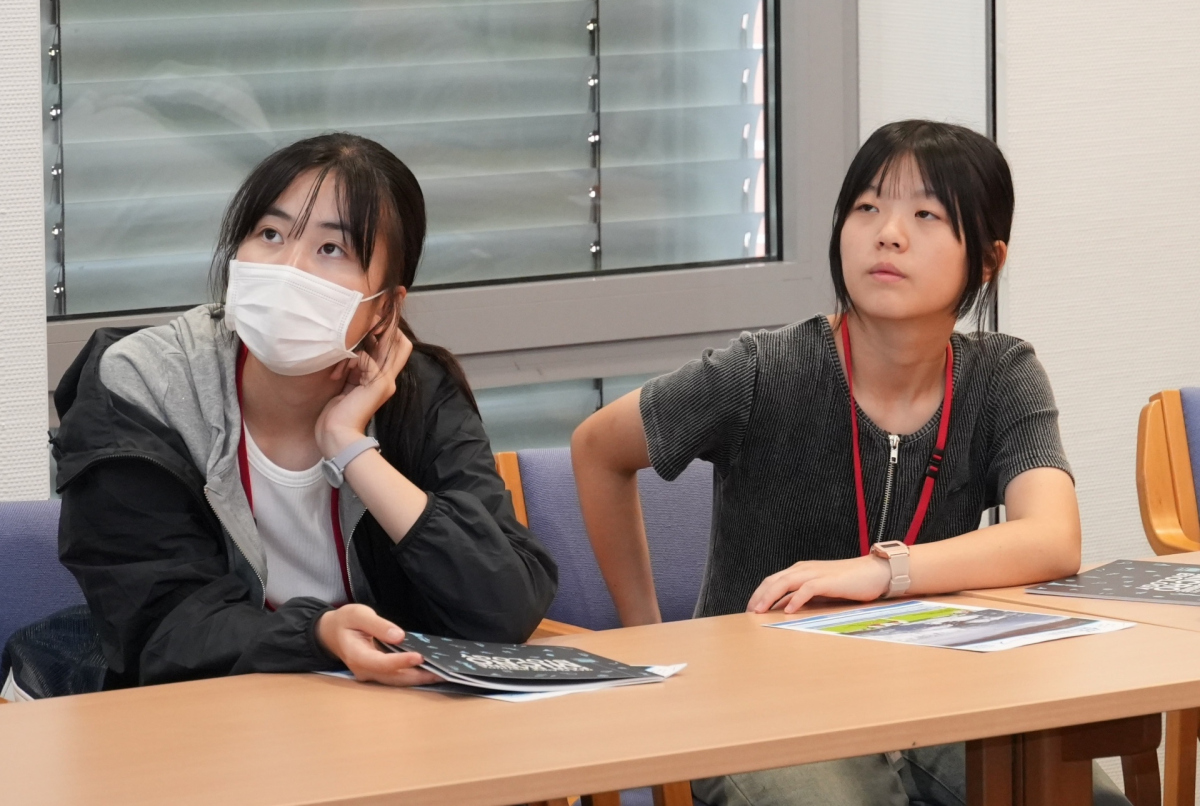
(894,441)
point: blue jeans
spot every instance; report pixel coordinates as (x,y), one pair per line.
(926,776)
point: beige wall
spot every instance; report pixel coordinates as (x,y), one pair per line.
(1098,114)
(23,458)
(922,59)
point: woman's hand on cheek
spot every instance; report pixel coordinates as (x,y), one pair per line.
(350,632)
(369,383)
(862,579)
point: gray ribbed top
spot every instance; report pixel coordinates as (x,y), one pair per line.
(772,413)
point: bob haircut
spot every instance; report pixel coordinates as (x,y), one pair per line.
(964,170)
(378,201)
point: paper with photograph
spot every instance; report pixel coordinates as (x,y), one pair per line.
(978,629)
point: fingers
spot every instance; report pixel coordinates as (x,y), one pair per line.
(804,594)
(775,587)
(364,619)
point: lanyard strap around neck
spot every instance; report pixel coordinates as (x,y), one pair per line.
(334,497)
(935,459)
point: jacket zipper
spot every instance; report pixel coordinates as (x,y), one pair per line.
(262,583)
(889,482)
(349,547)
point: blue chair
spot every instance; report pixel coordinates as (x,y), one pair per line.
(678,517)
(33,583)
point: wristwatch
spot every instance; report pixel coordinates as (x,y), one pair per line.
(896,553)
(334,469)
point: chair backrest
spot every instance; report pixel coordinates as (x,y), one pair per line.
(677,516)
(33,583)
(1168,465)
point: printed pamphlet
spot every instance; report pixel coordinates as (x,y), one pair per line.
(1131,581)
(978,629)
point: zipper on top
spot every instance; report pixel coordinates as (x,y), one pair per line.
(889,482)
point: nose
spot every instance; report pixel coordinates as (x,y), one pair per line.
(294,254)
(892,233)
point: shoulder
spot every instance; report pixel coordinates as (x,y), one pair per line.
(992,353)
(182,374)
(809,337)
(1004,368)
(191,350)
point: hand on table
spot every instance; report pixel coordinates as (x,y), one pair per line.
(350,632)
(862,579)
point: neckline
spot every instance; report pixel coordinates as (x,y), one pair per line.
(276,474)
(930,426)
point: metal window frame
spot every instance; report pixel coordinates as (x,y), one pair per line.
(642,322)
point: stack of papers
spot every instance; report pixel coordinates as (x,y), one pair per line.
(977,629)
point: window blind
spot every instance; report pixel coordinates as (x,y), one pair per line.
(549,136)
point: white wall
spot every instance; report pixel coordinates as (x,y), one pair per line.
(1098,114)
(23,415)
(922,59)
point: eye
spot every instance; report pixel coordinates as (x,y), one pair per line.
(928,215)
(331,250)
(271,235)
(867,207)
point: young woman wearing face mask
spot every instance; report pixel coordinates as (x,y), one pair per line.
(854,454)
(270,484)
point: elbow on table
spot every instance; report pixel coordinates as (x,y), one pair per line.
(1068,554)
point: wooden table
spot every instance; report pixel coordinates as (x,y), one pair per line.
(1183,617)
(751,698)
(1182,726)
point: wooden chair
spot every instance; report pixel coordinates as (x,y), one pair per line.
(1166,489)
(1165,485)
(673,794)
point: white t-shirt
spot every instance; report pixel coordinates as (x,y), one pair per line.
(292,509)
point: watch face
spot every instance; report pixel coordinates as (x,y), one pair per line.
(330,472)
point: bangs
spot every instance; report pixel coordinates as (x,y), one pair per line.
(360,194)
(929,166)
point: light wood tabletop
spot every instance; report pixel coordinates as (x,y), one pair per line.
(750,698)
(1184,617)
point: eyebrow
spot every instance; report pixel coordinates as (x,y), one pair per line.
(336,226)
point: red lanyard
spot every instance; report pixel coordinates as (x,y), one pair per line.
(334,498)
(935,459)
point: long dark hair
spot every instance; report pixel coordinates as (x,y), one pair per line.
(968,175)
(377,195)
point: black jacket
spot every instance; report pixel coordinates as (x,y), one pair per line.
(176,596)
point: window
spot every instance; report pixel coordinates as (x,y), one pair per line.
(551,137)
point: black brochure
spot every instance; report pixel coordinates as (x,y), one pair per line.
(1131,581)
(520,667)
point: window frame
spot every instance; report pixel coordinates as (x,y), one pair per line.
(634,322)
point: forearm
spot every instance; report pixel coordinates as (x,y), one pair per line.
(612,513)
(607,450)
(1040,541)
(1019,552)
(394,501)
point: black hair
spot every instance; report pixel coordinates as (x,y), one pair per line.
(377,195)
(964,170)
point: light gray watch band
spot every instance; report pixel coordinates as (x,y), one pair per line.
(335,469)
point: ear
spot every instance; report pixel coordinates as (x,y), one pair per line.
(994,262)
(392,301)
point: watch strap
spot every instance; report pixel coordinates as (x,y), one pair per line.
(897,556)
(348,454)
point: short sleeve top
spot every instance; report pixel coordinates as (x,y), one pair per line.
(772,413)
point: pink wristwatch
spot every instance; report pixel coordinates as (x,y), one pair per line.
(896,553)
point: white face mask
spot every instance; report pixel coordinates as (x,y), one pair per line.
(293,322)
